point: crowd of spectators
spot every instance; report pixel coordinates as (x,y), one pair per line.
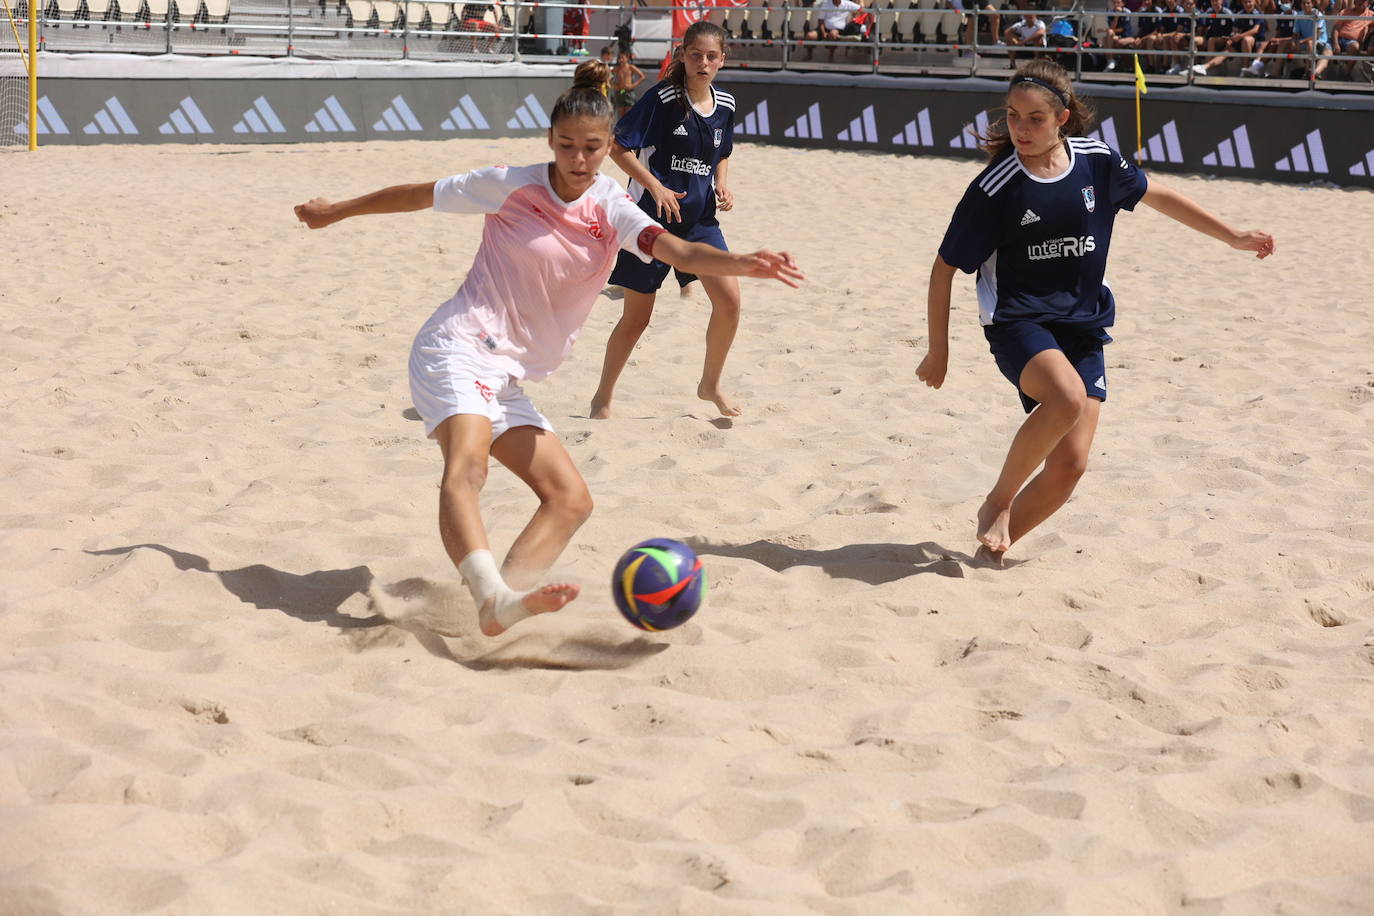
(1210,37)
(1236,35)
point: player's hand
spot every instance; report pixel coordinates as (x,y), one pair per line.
(667,201)
(315,213)
(724,199)
(933,368)
(774,265)
(1261,243)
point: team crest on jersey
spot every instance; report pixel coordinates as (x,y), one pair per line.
(594,227)
(718,136)
(1089,200)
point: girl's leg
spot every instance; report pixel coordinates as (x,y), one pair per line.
(1053,486)
(720,334)
(1050,379)
(538,458)
(639,308)
(465,441)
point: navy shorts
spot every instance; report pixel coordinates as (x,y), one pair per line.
(1014,343)
(632,273)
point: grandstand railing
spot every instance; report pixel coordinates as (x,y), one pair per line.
(928,37)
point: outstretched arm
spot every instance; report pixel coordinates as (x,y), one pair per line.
(1175,206)
(936,362)
(400,198)
(707,260)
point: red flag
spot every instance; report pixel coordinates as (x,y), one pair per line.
(690,11)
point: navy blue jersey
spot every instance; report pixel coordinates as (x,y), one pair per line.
(1039,245)
(680,146)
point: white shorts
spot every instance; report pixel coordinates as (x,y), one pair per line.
(448,377)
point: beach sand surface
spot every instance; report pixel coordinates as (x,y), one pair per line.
(237,674)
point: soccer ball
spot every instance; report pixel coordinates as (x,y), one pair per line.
(658,584)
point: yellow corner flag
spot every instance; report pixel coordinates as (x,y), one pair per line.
(1139,91)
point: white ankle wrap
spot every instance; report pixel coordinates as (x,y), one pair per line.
(483,578)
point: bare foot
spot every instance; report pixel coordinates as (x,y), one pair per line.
(994,527)
(715,396)
(515,608)
(600,410)
(983,558)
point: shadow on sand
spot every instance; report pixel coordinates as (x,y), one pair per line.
(875,564)
(317,597)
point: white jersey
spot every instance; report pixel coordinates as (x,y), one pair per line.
(540,267)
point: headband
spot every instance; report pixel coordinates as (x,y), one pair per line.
(1063,99)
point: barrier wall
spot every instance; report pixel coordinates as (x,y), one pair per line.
(1296,138)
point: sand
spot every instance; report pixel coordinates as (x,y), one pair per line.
(237,677)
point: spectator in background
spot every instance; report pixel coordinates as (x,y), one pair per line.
(1027,32)
(1246,30)
(977,16)
(1121,32)
(1215,34)
(1282,41)
(1352,36)
(832,21)
(577,24)
(625,76)
(1311,34)
(1172,35)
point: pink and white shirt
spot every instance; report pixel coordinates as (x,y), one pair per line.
(540,267)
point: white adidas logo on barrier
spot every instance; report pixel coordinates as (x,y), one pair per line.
(968,137)
(112,119)
(808,126)
(1308,156)
(260,119)
(917,132)
(465,116)
(1163,146)
(1233,151)
(529,115)
(755,124)
(397,117)
(863,129)
(186,119)
(331,119)
(1106,132)
(49,121)
(1364,167)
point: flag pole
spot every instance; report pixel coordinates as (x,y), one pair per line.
(1140,89)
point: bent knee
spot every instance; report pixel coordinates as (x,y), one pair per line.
(463,474)
(1068,468)
(573,502)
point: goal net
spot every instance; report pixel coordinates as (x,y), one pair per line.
(14,72)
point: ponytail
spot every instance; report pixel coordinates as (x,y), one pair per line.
(587,97)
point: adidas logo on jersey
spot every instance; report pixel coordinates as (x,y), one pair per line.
(1029,218)
(681,131)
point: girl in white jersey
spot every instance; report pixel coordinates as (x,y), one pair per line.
(550,239)
(1036,226)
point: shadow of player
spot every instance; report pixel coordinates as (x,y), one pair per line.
(875,564)
(316,597)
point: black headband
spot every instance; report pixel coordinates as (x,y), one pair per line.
(1063,99)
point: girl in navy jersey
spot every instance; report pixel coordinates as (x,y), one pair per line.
(1036,225)
(549,241)
(675,146)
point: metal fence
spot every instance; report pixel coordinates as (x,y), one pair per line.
(929,37)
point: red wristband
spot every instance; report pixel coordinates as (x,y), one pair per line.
(647,236)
